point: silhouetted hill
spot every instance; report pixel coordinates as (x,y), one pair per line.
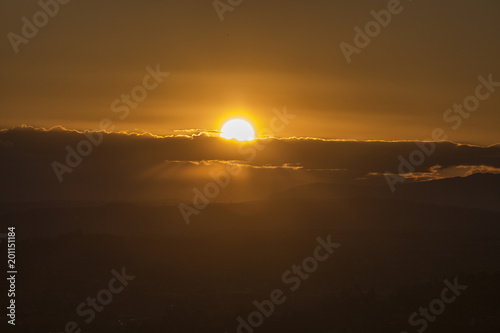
(393,258)
(475,191)
(478,190)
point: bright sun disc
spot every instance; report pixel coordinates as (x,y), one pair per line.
(237,129)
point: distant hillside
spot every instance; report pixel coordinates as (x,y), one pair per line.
(475,191)
(393,257)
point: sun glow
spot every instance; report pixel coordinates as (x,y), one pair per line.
(237,129)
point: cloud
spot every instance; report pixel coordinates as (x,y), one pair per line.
(438,172)
(236,163)
(144,166)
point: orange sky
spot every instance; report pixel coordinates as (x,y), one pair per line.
(262,56)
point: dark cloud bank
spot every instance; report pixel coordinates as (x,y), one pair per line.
(147,168)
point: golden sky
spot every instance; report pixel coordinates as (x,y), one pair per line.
(264,55)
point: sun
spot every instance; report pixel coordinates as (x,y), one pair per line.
(237,129)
